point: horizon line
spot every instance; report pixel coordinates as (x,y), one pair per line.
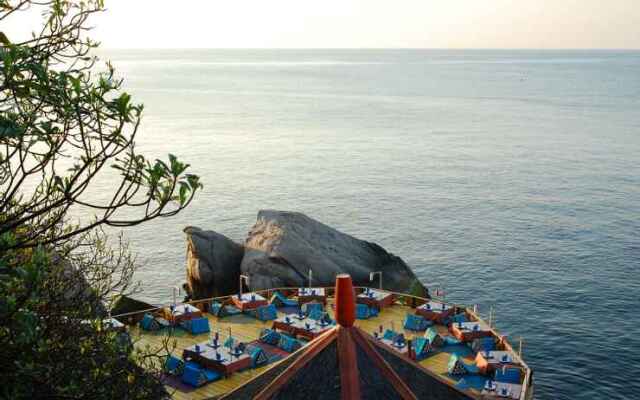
(632,49)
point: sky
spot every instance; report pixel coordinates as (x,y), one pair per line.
(509,24)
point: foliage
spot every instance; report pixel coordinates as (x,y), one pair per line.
(61,123)
(67,134)
(53,337)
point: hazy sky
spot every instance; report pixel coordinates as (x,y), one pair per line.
(369,23)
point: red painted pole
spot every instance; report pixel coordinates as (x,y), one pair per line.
(345,301)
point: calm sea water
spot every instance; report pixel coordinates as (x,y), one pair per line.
(510,178)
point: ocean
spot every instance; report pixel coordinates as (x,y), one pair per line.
(509,178)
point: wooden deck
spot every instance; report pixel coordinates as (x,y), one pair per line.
(247,329)
(243,328)
(394,316)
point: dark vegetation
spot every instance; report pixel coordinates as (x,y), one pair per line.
(67,138)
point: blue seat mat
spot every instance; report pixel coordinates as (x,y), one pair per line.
(199,325)
(511,375)
(362,311)
(434,337)
(194,372)
(316,314)
(272,352)
(451,341)
(389,334)
(458,366)
(288,344)
(222,311)
(258,356)
(191,364)
(172,364)
(422,349)
(269,336)
(415,323)
(149,323)
(265,313)
(191,376)
(307,308)
(282,299)
(211,375)
(471,382)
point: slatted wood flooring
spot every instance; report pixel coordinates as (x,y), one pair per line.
(393,317)
(247,329)
(243,328)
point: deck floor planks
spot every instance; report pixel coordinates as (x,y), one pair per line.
(243,328)
(247,329)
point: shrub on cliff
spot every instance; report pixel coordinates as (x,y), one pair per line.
(65,124)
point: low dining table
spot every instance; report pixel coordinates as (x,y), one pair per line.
(181,312)
(113,324)
(249,301)
(467,331)
(297,325)
(502,390)
(489,361)
(376,298)
(307,295)
(435,311)
(215,356)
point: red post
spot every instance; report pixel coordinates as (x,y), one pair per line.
(345,301)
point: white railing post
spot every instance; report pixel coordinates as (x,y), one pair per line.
(176,292)
(373,274)
(491,317)
(520,348)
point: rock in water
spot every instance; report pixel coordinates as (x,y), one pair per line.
(213,263)
(283,246)
(126,304)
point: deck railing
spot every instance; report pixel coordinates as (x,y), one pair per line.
(267,293)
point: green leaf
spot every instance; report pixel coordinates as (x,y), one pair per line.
(10,128)
(122,105)
(22,92)
(3,38)
(177,168)
(75,82)
(194,181)
(184,191)
(58,182)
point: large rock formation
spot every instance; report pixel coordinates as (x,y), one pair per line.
(283,246)
(279,252)
(213,263)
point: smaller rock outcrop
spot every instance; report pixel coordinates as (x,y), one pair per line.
(126,304)
(213,263)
